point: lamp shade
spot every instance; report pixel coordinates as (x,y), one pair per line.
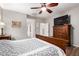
(2,24)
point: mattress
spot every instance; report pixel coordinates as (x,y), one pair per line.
(29,47)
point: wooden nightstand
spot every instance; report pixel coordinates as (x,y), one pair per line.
(8,37)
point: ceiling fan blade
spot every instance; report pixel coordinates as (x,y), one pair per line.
(35,7)
(52,4)
(40,12)
(49,11)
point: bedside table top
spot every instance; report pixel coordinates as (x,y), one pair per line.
(5,37)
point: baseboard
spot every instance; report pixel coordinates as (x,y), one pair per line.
(76,45)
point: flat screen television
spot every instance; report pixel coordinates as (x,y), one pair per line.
(62,20)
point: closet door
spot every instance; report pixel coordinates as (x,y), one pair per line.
(30,28)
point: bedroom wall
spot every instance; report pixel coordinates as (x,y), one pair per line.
(0,13)
(74,15)
(0,17)
(16,33)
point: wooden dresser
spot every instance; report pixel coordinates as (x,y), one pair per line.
(62,31)
(5,37)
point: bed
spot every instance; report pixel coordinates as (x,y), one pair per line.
(29,47)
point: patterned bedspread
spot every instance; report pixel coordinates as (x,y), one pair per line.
(30,47)
(50,51)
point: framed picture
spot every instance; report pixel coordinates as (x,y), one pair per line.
(16,24)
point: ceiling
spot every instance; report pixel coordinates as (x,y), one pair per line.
(25,8)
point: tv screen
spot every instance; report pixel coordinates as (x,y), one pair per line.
(62,20)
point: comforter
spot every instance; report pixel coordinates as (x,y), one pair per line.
(29,47)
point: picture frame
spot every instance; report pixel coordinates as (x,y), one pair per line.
(16,24)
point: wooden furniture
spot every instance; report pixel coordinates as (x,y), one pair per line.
(8,37)
(57,41)
(62,32)
(61,36)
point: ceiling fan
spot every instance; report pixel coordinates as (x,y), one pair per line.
(45,7)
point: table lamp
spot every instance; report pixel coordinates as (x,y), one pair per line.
(2,24)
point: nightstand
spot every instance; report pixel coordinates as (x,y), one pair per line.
(8,37)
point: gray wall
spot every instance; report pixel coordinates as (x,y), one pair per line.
(74,15)
(0,17)
(17,33)
(0,13)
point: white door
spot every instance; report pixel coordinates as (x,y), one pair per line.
(30,28)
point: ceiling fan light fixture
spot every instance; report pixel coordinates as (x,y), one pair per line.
(43,8)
